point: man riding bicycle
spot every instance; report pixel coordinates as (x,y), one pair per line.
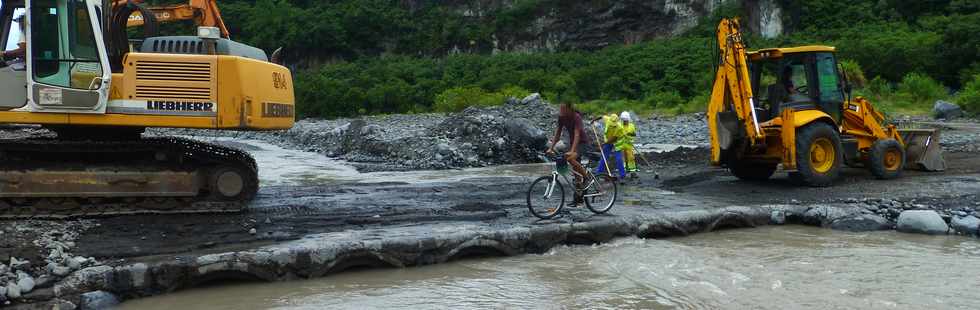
(571,121)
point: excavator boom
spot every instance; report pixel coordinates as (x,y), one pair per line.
(203,12)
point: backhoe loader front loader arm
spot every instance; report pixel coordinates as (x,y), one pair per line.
(731,97)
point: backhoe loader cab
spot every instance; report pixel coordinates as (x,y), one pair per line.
(791,107)
(782,78)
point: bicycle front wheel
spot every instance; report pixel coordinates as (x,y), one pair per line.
(601,195)
(545,197)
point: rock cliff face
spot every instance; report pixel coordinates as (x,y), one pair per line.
(552,25)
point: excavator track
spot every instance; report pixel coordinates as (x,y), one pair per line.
(58,179)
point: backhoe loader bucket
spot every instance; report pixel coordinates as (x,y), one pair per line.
(922,149)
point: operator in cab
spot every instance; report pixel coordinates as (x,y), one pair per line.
(15,57)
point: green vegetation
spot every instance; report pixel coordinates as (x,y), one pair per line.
(355,57)
(969,96)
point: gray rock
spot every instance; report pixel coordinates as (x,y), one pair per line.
(77,262)
(966,225)
(50,267)
(25,282)
(252,231)
(444,149)
(61,271)
(521,132)
(370,130)
(946,110)
(864,222)
(922,222)
(13,290)
(777,217)
(44,281)
(534,98)
(98,300)
(512,101)
(16,264)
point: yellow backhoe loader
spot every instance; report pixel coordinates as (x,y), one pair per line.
(792,107)
(79,75)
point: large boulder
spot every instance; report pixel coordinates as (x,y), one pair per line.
(922,222)
(946,110)
(863,222)
(967,225)
(99,300)
(13,290)
(521,132)
(25,282)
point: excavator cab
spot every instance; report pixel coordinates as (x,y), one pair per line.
(65,67)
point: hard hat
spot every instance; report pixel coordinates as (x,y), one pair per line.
(625,116)
(612,117)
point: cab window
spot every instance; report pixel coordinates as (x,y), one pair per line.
(64,50)
(830,86)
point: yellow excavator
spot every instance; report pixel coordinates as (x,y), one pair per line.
(80,76)
(793,107)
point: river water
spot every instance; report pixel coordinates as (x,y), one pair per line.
(785,267)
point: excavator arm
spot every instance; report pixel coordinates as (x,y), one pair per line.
(202,12)
(731,102)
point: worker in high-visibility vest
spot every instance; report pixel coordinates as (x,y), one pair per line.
(625,143)
(613,132)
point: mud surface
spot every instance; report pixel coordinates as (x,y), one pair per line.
(327,195)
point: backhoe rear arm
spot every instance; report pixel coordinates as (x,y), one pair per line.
(732,90)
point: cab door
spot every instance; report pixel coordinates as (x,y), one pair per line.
(67,66)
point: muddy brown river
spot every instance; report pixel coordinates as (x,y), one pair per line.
(791,267)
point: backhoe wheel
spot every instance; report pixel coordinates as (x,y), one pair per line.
(229,183)
(818,155)
(886,159)
(753,171)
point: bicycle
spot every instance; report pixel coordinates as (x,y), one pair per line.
(598,193)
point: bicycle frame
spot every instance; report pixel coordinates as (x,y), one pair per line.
(554,179)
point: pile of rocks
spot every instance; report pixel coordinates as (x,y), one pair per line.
(689,129)
(916,217)
(513,133)
(20,277)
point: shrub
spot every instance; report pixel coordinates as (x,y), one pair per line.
(969,96)
(458,98)
(918,90)
(854,73)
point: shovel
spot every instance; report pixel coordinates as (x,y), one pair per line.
(922,149)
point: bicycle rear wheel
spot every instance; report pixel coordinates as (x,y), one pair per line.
(545,197)
(601,195)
